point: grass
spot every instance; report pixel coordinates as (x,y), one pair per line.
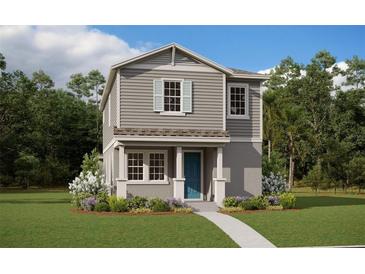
(44,219)
(323,220)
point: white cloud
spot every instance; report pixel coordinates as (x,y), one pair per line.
(63,50)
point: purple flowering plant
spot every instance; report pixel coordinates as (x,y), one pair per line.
(273,200)
(89,203)
(175,203)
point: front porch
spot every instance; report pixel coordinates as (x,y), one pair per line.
(188,171)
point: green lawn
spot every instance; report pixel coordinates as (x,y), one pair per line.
(45,220)
(323,220)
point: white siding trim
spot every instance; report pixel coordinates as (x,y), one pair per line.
(224,101)
(173,56)
(245,140)
(172,139)
(261,113)
(247,101)
(109,111)
(118,98)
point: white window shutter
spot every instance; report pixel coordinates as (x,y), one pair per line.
(157,95)
(187,96)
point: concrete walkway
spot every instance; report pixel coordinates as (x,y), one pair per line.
(239,232)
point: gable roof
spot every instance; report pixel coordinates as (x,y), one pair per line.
(236,73)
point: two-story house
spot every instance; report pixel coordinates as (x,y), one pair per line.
(176,124)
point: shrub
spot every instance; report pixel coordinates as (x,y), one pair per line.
(88,183)
(137,202)
(88,203)
(118,204)
(233,201)
(255,203)
(77,200)
(175,203)
(90,180)
(273,200)
(273,184)
(158,205)
(100,207)
(287,200)
(102,197)
(184,210)
(141,210)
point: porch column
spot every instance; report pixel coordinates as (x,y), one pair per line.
(122,178)
(179,181)
(219,181)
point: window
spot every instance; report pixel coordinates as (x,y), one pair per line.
(135,166)
(238,101)
(157,166)
(146,166)
(172,96)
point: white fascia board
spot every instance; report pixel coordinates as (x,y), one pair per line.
(250,76)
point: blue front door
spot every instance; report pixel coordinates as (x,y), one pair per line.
(192,175)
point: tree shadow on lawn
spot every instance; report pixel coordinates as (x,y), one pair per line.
(318,201)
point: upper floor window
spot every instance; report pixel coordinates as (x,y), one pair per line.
(172,95)
(238,101)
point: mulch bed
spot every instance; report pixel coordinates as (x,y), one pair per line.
(80,211)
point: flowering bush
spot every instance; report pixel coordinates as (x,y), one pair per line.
(88,183)
(273,200)
(88,203)
(273,184)
(175,203)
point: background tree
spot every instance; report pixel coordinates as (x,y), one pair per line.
(78,84)
(41,80)
(356,170)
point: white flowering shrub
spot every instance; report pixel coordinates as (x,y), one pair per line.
(273,184)
(88,183)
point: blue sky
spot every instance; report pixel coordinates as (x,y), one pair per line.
(74,49)
(250,47)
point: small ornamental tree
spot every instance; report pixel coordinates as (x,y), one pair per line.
(90,182)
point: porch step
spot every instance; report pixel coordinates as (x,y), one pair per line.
(202,206)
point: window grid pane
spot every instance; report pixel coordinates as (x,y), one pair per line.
(157,166)
(135,166)
(172,91)
(238,101)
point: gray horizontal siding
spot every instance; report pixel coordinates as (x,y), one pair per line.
(137,100)
(247,128)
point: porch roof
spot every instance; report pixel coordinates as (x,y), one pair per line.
(170,132)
